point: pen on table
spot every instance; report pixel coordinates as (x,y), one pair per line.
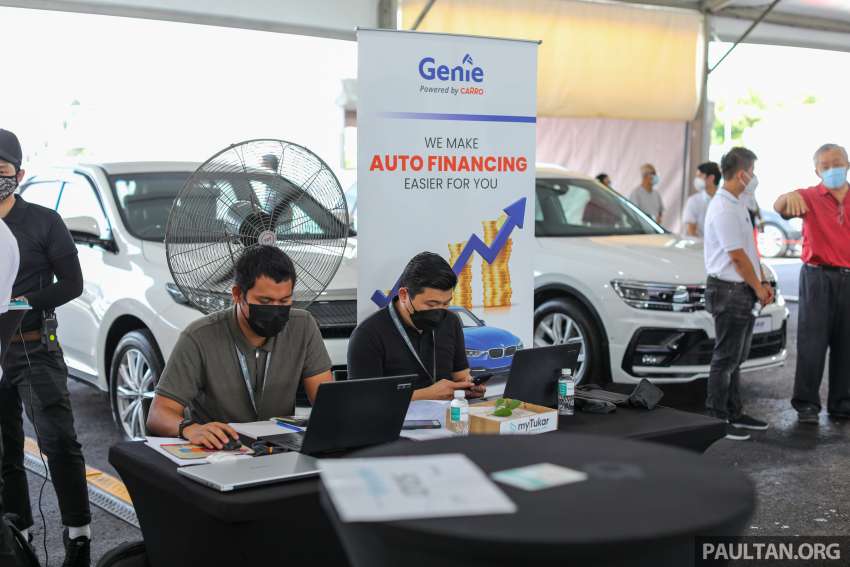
(288,426)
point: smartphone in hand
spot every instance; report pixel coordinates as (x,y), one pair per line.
(482,378)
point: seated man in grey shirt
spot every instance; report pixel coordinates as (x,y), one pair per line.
(244,363)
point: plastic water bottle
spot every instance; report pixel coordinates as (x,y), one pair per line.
(566,392)
(459,414)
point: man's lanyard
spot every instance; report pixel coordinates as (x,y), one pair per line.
(400,328)
(246,376)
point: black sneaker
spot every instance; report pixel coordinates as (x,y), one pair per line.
(77,551)
(808,416)
(735,434)
(839,415)
(747,422)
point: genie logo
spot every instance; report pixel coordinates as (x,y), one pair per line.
(466,72)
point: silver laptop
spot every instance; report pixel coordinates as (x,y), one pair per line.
(244,473)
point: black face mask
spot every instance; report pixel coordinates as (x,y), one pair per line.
(267,320)
(429,319)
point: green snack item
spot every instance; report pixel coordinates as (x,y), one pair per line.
(505,407)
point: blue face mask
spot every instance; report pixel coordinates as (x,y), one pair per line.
(655,180)
(834,178)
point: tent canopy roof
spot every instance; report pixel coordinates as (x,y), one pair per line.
(821,24)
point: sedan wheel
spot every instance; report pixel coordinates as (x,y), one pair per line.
(135,391)
(772,241)
(561,329)
(136,368)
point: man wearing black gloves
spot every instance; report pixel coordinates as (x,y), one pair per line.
(416,334)
(34,373)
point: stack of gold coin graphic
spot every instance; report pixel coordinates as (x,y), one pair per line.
(496,277)
(462,295)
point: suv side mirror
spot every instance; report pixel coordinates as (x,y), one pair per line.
(86,230)
(83,226)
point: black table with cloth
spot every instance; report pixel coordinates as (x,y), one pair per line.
(186,523)
(286,519)
(642,504)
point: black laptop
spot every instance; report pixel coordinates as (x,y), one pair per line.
(351,414)
(535,371)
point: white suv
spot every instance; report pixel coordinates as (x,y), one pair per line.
(631,293)
(606,277)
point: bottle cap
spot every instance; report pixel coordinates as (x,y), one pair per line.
(460,394)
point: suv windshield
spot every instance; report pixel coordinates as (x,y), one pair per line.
(577,207)
(145,200)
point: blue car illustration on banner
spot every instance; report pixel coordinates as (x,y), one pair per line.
(488,349)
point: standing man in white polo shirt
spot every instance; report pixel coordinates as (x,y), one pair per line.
(736,290)
(646,195)
(706,181)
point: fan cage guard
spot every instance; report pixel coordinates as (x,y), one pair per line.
(262,192)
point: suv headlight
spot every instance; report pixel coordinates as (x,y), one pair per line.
(176,294)
(661,296)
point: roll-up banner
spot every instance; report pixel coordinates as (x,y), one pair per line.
(446,142)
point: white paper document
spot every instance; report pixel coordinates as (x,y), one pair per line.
(405,488)
(539,476)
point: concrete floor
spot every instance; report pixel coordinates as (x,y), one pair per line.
(801,473)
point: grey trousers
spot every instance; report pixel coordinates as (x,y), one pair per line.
(823,323)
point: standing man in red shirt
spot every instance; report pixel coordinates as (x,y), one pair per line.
(824,317)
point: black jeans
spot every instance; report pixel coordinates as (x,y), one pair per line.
(731,305)
(48,383)
(823,322)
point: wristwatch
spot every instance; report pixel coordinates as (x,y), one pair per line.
(183,425)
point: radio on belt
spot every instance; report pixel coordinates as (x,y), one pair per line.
(49,326)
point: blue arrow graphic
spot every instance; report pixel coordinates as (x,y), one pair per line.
(516,215)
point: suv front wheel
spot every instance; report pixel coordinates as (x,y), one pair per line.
(565,321)
(136,368)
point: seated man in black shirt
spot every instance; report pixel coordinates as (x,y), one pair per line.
(416,334)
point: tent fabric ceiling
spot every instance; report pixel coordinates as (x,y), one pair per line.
(596,60)
(823,24)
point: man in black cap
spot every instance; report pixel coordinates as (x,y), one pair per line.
(34,373)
